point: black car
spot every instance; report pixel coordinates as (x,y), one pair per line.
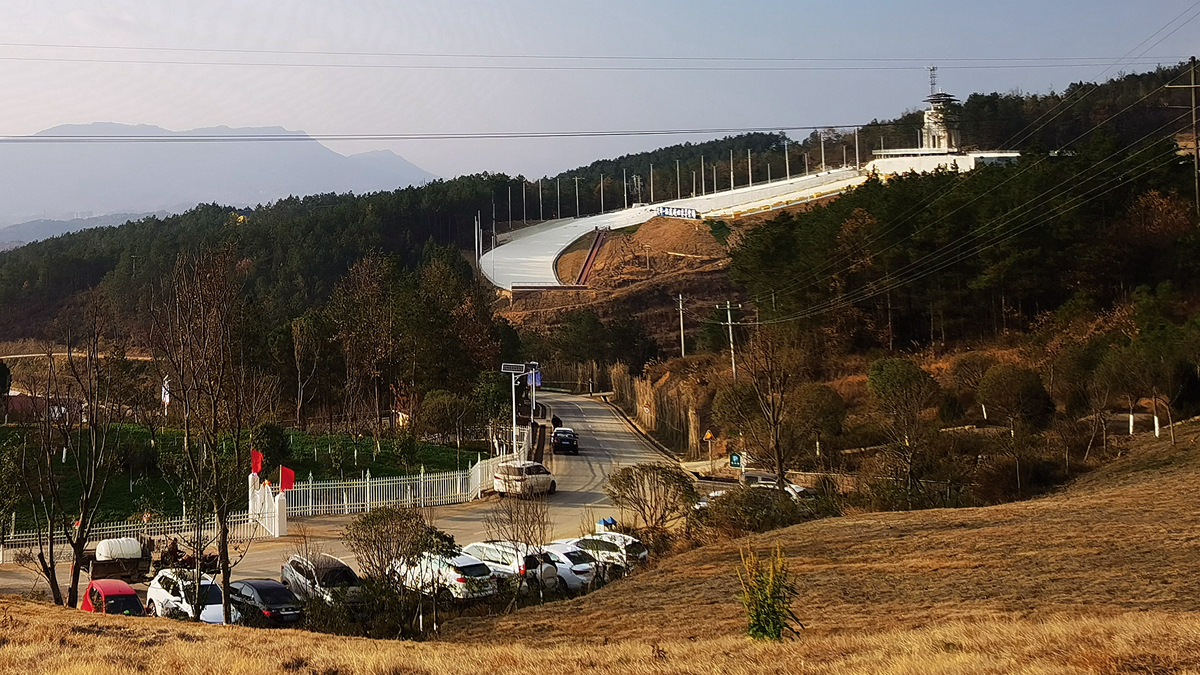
(265,602)
(564,441)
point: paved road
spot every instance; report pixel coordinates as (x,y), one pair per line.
(528,259)
(606,442)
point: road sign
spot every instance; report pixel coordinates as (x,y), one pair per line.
(517,368)
(708,435)
(735,461)
(535,378)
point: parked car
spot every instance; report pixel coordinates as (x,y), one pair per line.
(770,481)
(523,478)
(564,441)
(111,596)
(174,590)
(577,569)
(460,576)
(612,548)
(508,560)
(265,601)
(324,577)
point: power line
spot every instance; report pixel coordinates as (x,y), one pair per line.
(558,57)
(543,68)
(300,137)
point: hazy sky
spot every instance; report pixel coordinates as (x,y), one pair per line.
(103,60)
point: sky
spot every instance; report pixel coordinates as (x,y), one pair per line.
(357,67)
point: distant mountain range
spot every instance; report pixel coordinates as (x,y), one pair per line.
(71,181)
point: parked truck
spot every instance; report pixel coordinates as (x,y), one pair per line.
(129,559)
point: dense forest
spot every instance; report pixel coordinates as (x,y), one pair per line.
(951,257)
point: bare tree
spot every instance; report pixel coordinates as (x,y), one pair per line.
(763,408)
(521,519)
(196,333)
(306,353)
(80,419)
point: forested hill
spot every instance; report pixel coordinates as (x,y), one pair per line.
(952,258)
(297,248)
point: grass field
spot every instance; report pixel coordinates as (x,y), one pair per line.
(1100,577)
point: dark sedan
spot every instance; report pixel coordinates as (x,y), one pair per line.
(564,440)
(265,602)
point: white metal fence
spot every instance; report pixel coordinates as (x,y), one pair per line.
(307,498)
(241,528)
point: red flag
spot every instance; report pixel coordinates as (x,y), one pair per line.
(287,478)
(255,461)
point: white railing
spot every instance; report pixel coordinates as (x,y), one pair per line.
(241,528)
(307,498)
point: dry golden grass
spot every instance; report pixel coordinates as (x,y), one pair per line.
(40,639)
(1121,539)
(1099,578)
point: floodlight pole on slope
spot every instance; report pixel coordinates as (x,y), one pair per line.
(682,346)
(729,322)
(576,196)
(1195,141)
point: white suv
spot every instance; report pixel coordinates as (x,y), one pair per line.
(171,590)
(461,576)
(523,478)
(509,559)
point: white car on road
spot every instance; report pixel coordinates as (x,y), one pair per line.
(523,478)
(171,590)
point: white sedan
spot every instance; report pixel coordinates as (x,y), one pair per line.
(172,590)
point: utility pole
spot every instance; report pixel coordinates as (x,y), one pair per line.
(682,347)
(714,170)
(843,156)
(856,166)
(577,197)
(541,213)
(601,193)
(524,204)
(1195,140)
(822,150)
(729,322)
(510,207)
(651,183)
(703,187)
(693,183)
(557,198)
(625,187)
(731,169)
(678,183)
(806,164)
(749,169)
(787,160)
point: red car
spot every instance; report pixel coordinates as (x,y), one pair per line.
(111,596)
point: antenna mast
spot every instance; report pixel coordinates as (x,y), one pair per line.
(932,79)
